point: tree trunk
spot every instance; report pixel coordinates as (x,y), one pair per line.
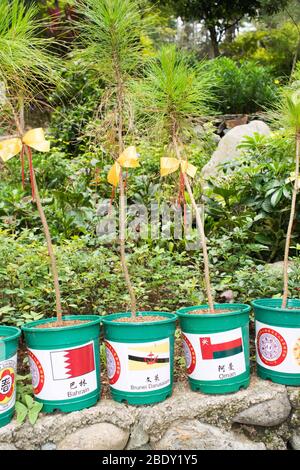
(214,42)
(230,33)
(290,227)
(295,59)
(21,127)
(204,246)
(122,208)
(50,252)
(122,236)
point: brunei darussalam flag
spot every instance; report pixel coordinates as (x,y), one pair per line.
(149,357)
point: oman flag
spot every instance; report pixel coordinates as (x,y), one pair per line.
(220,350)
(74,362)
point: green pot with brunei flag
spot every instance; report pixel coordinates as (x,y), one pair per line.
(216,347)
(139,345)
(216,336)
(8,370)
(139,356)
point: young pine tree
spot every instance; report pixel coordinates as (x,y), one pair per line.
(288,116)
(110,33)
(26,70)
(173,93)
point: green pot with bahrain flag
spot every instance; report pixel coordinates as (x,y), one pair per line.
(139,357)
(9,336)
(216,347)
(65,362)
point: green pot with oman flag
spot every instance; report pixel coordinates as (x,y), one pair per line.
(216,347)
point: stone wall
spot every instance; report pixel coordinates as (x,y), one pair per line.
(265,416)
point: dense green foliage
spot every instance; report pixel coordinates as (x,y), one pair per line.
(92,282)
(247,205)
(26,66)
(274,47)
(245,87)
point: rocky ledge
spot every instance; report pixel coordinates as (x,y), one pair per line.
(265,416)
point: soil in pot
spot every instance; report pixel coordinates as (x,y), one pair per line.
(207,311)
(56,324)
(139,319)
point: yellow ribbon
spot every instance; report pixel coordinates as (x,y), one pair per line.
(35,138)
(169,165)
(127,159)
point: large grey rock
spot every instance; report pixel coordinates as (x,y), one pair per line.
(48,446)
(100,436)
(194,435)
(295,419)
(276,269)
(295,440)
(227,148)
(219,410)
(267,413)
(7,447)
(294,397)
(146,426)
(138,438)
(54,428)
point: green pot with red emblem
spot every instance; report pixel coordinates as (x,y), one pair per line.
(9,337)
(278,340)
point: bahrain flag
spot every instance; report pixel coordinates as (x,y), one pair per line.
(75,362)
(220,350)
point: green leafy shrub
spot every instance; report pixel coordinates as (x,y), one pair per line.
(254,193)
(242,88)
(274,47)
(26,406)
(91,277)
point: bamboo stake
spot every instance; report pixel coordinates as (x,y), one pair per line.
(290,226)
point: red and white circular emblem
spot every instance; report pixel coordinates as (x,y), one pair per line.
(7,385)
(272,347)
(190,355)
(112,363)
(37,373)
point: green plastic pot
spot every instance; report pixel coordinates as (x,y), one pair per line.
(9,336)
(65,363)
(216,348)
(278,340)
(140,358)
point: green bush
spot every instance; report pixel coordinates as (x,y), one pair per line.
(254,193)
(92,282)
(274,48)
(242,88)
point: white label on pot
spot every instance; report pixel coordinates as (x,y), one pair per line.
(214,356)
(63,374)
(278,348)
(138,367)
(8,383)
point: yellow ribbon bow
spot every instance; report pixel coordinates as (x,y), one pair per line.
(127,159)
(169,165)
(35,138)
